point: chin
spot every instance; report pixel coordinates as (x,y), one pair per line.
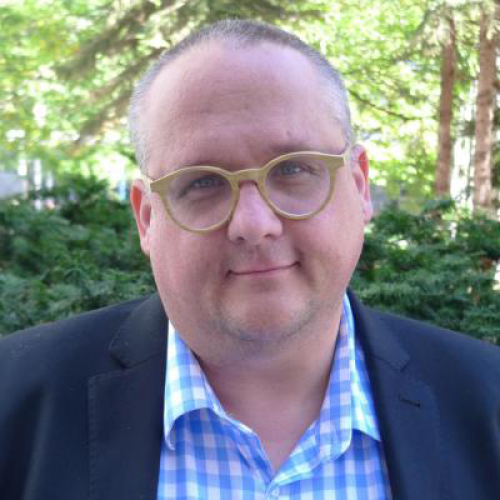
(269,323)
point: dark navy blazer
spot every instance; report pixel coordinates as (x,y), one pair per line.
(81,406)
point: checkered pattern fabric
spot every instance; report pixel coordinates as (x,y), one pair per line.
(207,454)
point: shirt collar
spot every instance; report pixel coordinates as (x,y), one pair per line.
(363,408)
(186,387)
(188,390)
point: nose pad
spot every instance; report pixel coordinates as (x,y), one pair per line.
(253,219)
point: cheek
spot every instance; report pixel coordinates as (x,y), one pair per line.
(182,261)
(336,235)
(346,209)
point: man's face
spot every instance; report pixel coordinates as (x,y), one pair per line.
(261,279)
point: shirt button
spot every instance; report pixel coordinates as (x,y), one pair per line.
(274,493)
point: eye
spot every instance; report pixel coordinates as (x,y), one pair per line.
(206,181)
(295,170)
(289,168)
(197,184)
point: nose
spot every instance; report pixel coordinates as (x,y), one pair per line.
(253,219)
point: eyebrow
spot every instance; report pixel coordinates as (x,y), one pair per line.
(274,151)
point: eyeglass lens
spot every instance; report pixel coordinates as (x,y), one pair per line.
(199,199)
(298,187)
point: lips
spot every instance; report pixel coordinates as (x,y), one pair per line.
(262,270)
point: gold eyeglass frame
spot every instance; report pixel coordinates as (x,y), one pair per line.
(257,175)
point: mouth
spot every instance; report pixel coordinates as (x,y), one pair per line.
(262,270)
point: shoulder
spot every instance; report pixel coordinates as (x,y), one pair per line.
(425,351)
(45,374)
(57,348)
(440,357)
(438,343)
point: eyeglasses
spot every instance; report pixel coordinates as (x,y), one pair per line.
(295,185)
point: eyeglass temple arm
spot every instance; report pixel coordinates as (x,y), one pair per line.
(147,181)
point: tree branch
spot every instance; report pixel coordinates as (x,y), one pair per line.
(125,76)
(112,111)
(383,110)
(114,38)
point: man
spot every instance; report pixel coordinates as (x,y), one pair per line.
(266,380)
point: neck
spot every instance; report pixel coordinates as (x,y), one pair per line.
(283,391)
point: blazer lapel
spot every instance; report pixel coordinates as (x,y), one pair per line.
(126,409)
(407,413)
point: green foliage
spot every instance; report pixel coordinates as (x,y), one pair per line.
(67,69)
(438,266)
(80,255)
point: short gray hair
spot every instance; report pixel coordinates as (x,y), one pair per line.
(241,33)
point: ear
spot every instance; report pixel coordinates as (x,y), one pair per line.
(360,172)
(141,206)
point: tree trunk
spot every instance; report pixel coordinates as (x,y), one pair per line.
(445,140)
(30,176)
(485,106)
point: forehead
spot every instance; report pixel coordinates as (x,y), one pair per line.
(225,104)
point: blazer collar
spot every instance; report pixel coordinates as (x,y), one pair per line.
(407,411)
(142,335)
(126,409)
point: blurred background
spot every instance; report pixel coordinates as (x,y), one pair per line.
(424,88)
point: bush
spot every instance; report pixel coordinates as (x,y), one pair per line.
(81,255)
(437,266)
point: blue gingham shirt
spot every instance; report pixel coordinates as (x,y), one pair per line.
(207,454)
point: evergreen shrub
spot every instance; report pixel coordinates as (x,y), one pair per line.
(438,265)
(83,253)
(80,255)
